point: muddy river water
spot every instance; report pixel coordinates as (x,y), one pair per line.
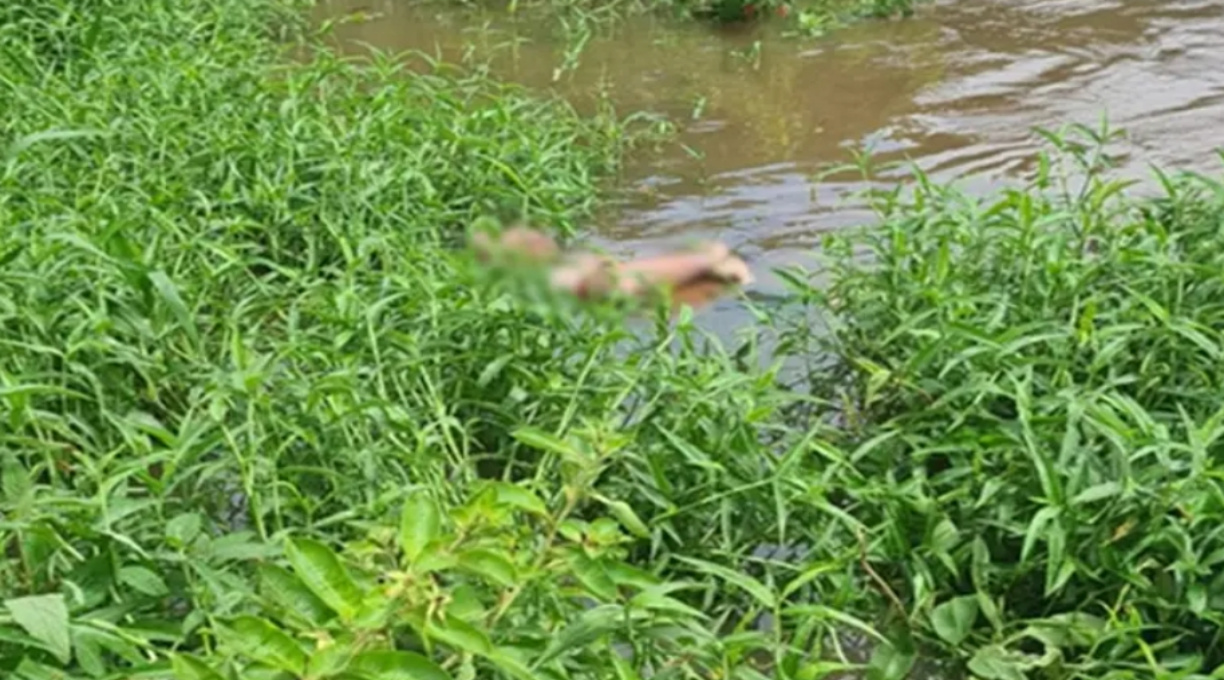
(956,89)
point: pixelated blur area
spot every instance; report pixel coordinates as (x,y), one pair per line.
(535,265)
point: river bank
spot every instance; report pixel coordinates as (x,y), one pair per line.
(956,90)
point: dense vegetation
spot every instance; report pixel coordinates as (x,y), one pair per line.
(1031,410)
(262,419)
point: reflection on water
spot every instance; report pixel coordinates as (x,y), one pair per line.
(956,89)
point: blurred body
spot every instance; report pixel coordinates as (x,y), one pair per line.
(692,278)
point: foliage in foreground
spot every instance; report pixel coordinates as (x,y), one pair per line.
(260,420)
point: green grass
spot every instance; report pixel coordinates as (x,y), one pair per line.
(262,419)
(1031,388)
(232,313)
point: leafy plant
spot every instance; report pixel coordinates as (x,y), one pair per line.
(263,418)
(1032,389)
(499,583)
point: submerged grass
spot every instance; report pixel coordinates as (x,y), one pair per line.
(805,17)
(261,419)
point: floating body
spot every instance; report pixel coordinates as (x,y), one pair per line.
(694,277)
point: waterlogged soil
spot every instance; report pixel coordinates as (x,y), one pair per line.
(956,89)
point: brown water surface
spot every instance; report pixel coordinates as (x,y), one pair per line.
(956,89)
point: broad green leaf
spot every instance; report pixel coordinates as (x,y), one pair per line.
(752,586)
(627,517)
(29,669)
(823,612)
(287,591)
(395,665)
(183,529)
(823,669)
(465,603)
(12,636)
(1096,493)
(511,664)
(624,671)
(14,481)
(654,600)
(265,643)
(889,663)
(1196,596)
(491,565)
(1057,579)
(436,560)
(460,635)
(143,580)
(627,575)
(376,611)
(331,660)
(120,643)
(420,523)
(945,537)
(604,531)
(592,575)
(995,663)
(88,652)
(41,547)
(953,620)
(990,610)
(241,545)
(1037,530)
(45,618)
(323,573)
(1076,628)
(519,497)
(188,667)
(539,439)
(591,626)
(809,575)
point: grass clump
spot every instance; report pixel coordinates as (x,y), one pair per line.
(260,417)
(1031,389)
